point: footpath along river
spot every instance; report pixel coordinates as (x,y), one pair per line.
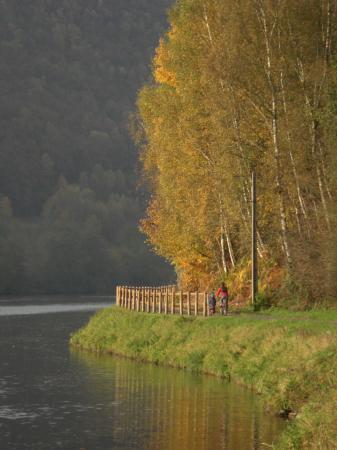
(52,397)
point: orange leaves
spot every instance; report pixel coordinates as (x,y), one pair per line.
(215,111)
(162,72)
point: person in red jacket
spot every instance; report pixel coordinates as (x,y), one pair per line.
(222,295)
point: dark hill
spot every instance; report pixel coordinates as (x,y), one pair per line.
(70,71)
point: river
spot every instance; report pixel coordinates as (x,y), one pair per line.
(52,397)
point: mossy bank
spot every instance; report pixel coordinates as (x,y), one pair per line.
(289,358)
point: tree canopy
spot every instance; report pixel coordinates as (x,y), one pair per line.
(239,86)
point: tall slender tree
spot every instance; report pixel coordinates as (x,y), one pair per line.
(239,85)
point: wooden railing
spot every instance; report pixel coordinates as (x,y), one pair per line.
(162,300)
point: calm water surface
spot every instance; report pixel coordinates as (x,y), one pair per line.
(55,398)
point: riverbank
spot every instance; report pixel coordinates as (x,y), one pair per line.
(289,358)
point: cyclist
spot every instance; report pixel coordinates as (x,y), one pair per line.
(222,295)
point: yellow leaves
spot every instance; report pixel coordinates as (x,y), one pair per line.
(206,121)
(162,73)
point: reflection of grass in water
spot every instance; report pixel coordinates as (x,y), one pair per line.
(188,410)
(104,366)
(289,357)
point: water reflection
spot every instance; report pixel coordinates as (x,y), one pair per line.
(52,398)
(167,409)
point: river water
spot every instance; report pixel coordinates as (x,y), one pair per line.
(52,397)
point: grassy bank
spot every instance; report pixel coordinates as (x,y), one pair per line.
(290,358)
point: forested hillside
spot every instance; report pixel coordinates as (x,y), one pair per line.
(69,211)
(242,86)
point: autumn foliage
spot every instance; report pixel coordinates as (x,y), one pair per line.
(239,86)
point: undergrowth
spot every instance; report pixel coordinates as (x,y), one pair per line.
(290,358)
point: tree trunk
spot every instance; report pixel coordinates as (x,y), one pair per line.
(274,133)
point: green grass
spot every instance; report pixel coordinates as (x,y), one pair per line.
(289,358)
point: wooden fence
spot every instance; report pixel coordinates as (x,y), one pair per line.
(162,300)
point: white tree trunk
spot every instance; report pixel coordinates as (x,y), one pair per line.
(274,131)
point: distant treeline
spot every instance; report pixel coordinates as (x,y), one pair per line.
(69,210)
(241,86)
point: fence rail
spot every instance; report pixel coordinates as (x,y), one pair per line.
(162,300)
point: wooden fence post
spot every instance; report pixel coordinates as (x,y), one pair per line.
(173,301)
(204,309)
(196,303)
(181,303)
(144,299)
(154,300)
(166,301)
(188,303)
(147,300)
(160,301)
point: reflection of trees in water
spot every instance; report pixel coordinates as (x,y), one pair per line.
(168,409)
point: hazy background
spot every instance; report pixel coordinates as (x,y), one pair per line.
(69,210)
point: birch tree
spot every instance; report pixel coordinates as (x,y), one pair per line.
(239,85)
